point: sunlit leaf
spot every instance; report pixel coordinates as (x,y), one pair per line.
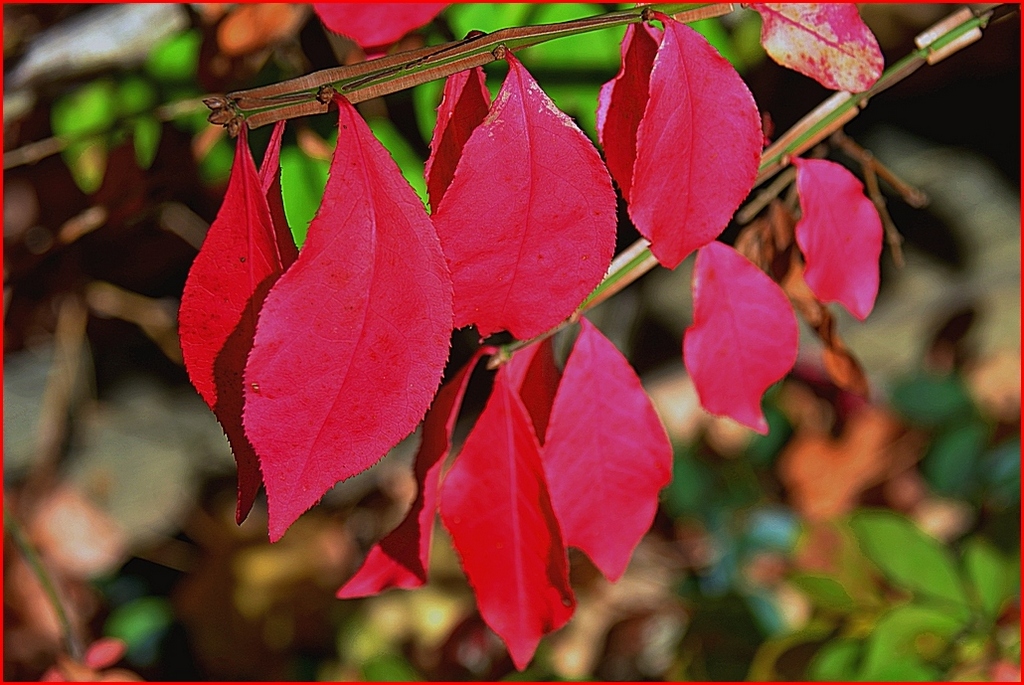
(605,433)
(743,337)
(697,150)
(827,41)
(352,339)
(528,222)
(839,234)
(910,558)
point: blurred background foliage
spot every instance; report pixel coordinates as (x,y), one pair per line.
(865,538)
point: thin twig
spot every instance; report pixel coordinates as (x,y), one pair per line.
(914,197)
(764,198)
(64,376)
(12,527)
(892,234)
(38,150)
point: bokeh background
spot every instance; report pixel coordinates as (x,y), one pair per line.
(872,538)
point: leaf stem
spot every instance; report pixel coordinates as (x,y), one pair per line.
(827,118)
(35,564)
(366,80)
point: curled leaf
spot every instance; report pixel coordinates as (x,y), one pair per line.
(697,150)
(528,222)
(464,104)
(352,339)
(827,41)
(534,373)
(622,101)
(743,337)
(243,254)
(839,234)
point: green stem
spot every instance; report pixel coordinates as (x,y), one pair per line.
(812,130)
(35,564)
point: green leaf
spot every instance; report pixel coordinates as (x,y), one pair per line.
(303,180)
(824,592)
(389,668)
(89,109)
(87,162)
(591,51)
(690,484)
(146,136)
(466,17)
(175,59)
(931,400)
(140,623)
(746,40)
(134,95)
(762,450)
(950,466)
(773,650)
(892,652)
(837,660)
(425,99)
(909,558)
(215,167)
(406,159)
(989,574)
(1000,471)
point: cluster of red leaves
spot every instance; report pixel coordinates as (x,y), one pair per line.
(318,363)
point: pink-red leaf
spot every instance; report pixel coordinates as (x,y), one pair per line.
(533,373)
(352,339)
(528,222)
(827,41)
(743,337)
(622,101)
(270,181)
(378,24)
(698,147)
(402,557)
(839,234)
(464,104)
(240,259)
(495,505)
(607,454)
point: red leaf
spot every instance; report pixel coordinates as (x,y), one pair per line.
(743,337)
(827,41)
(352,339)
(698,147)
(607,454)
(376,24)
(464,104)
(622,101)
(402,557)
(104,653)
(533,372)
(528,222)
(495,504)
(839,234)
(270,181)
(238,262)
